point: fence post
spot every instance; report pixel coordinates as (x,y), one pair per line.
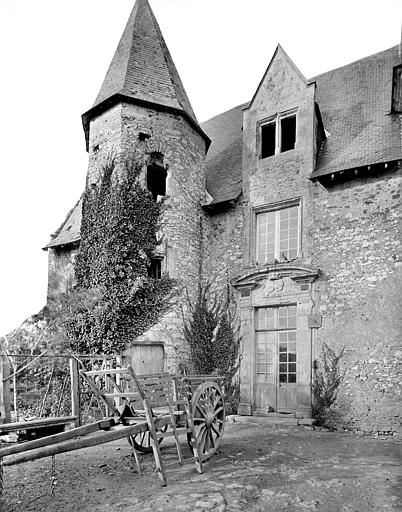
(75,391)
(5,395)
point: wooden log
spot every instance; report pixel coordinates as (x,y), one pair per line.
(5,394)
(111,371)
(41,422)
(113,434)
(63,436)
(75,390)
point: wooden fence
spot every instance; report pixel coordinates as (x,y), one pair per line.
(18,387)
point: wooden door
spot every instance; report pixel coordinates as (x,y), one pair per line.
(147,359)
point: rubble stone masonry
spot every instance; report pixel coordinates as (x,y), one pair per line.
(118,132)
(357,244)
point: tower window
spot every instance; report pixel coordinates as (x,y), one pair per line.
(278,135)
(397,90)
(155,268)
(156,176)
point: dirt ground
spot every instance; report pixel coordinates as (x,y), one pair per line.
(260,467)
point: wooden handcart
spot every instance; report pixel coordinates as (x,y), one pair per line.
(145,409)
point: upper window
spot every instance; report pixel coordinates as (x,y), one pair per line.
(397,89)
(155,268)
(278,135)
(278,234)
(156,176)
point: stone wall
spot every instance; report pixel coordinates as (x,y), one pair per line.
(60,270)
(224,242)
(357,244)
(120,132)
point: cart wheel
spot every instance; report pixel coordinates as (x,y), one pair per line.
(208,408)
(142,441)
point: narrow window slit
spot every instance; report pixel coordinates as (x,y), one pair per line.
(156,176)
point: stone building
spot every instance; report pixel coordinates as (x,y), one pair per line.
(294,197)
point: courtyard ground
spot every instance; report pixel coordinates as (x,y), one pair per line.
(260,467)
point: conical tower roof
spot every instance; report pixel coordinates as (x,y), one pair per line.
(142,71)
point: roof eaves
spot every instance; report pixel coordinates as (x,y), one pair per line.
(119,97)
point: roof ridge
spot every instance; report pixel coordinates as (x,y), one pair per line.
(240,105)
(357,61)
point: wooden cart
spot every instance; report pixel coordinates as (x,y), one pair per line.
(144,408)
(204,392)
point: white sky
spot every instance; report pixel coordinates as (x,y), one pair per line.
(54,56)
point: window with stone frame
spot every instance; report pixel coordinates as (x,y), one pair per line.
(155,268)
(278,134)
(156,175)
(278,233)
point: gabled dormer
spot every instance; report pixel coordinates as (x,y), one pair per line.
(282,122)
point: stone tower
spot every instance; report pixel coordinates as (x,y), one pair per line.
(142,111)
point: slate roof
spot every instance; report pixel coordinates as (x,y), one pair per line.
(142,69)
(70,231)
(355,104)
(224,158)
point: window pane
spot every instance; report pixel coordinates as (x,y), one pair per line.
(288,133)
(268,140)
(292,357)
(292,377)
(282,357)
(283,377)
(283,368)
(292,367)
(294,212)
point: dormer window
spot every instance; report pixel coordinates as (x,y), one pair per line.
(278,134)
(397,90)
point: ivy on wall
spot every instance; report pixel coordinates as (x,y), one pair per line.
(115,300)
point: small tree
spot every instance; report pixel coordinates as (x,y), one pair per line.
(328,376)
(212,335)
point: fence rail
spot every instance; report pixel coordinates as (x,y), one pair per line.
(47,385)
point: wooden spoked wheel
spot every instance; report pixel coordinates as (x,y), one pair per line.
(208,408)
(142,441)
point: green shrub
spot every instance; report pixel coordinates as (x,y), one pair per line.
(328,376)
(212,334)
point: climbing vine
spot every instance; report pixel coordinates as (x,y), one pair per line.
(211,332)
(115,300)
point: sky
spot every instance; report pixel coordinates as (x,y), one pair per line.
(54,56)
